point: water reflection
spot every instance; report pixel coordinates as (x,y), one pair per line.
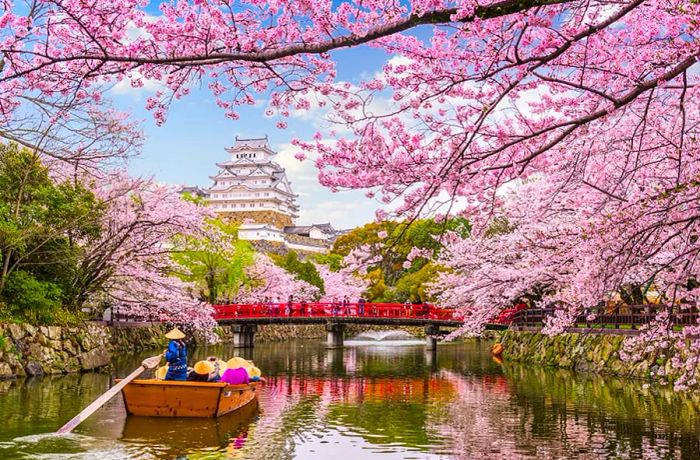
(364,402)
(173,437)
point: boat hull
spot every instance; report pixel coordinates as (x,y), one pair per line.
(164,398)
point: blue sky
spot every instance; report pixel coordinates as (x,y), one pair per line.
(186,148)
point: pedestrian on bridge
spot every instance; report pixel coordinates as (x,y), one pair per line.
(335,306)
(361,306)
(290,303)
(276,306)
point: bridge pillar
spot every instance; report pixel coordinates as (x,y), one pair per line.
(431,332)
(335,335)
(243,335)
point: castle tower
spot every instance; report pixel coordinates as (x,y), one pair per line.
(253,191)
(251,188)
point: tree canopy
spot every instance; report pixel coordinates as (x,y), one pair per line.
(42,222)
(397,257)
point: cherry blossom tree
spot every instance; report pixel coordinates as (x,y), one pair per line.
(271,280)
(341,283)
(129,266)
(521,255)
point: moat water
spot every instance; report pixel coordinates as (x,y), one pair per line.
(366,401)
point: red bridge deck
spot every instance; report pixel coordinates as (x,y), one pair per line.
(334,310)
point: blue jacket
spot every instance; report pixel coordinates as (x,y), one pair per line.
(176,356)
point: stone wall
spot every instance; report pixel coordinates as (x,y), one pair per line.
(27,350)
(133,339)
(271,217)
(582,352)
(30,350)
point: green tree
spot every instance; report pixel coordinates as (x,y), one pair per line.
(42,222)
(334,261)
(31,299)
(216,262)
(393,279)
(412,286)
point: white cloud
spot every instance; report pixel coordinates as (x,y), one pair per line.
(341,214)
(148,86)
(302,174)
(394,61)
(133,32)
(317,204)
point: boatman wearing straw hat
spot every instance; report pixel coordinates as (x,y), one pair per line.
(176,356)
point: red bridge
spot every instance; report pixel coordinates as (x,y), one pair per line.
(335,310)
(243,319)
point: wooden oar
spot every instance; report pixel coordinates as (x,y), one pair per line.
(148,363)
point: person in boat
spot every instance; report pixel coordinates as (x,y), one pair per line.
(161,372)
(201,372)
(254,372)
(237,372)
(176,356)
(219,369)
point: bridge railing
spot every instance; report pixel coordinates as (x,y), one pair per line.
(333,309)
(618,316)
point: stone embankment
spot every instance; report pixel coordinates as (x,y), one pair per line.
(599,353)
(27,350)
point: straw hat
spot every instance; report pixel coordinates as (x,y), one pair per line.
(237,362)
(161,372)
(175,334)
(254,372)
(204,367)
(222,366)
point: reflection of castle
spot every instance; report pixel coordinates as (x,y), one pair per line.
(253,190)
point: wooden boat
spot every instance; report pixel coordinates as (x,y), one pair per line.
(165,398)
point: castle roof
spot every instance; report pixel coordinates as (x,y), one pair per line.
(194,190)
(251,143)
(305,229)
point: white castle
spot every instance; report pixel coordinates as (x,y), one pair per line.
(253,190)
